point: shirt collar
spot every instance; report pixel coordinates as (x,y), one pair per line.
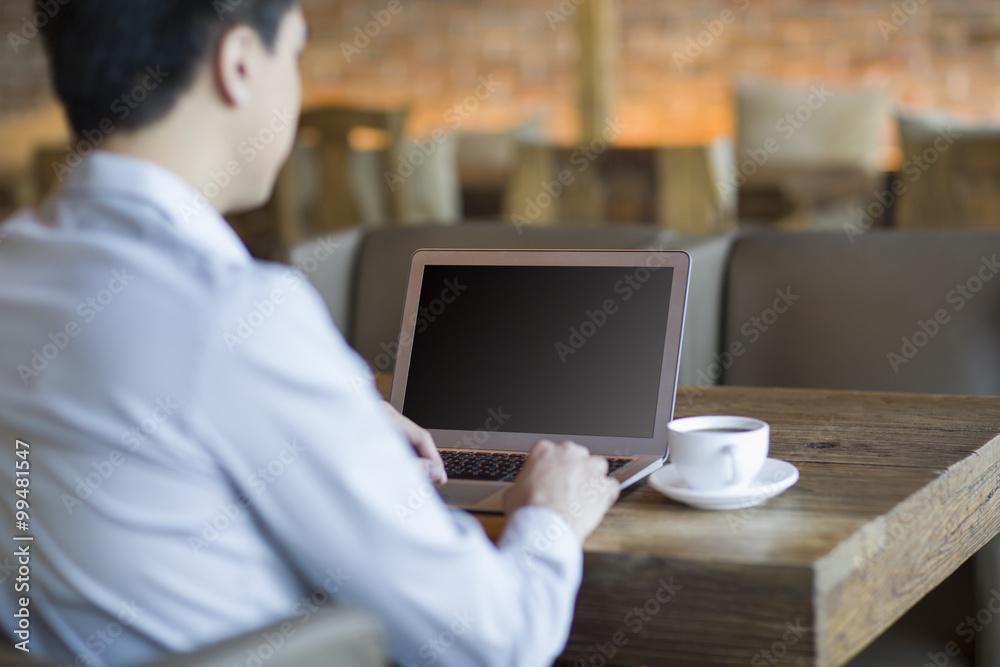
(107,174)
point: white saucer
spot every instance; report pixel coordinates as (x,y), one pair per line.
(776,476)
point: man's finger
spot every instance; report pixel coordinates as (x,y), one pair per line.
(434,471)
(600,465)
(423,443)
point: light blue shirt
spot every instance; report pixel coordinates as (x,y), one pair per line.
(208,456)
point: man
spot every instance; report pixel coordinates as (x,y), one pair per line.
(201,460)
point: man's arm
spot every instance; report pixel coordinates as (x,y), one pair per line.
(355,511)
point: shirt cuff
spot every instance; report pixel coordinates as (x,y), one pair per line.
(540,538)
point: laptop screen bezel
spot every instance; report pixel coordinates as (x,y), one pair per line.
(656,444)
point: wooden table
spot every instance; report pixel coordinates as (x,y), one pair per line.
(896,491)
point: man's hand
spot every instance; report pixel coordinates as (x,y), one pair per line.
(424,444)
(568,480)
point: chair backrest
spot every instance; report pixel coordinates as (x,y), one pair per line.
(590,185)
(336,636)
(680,188)
(424,180)
(383,265)
(330,262)
(950,176)
(334,201)
(691,188)
(892,311)
(810,125)
(46,160)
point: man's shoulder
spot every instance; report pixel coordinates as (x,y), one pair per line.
(160,256)
(124,276)
(136,278)
(272,296)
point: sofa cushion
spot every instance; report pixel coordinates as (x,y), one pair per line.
(892,311)
(330,264)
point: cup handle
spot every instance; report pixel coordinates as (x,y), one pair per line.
(735,477)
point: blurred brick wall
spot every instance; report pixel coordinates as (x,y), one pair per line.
(431,54)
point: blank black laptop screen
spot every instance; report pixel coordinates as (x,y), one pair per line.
(540,349)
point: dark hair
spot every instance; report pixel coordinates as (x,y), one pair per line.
(124,63)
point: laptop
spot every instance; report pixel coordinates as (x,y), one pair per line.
(501,348)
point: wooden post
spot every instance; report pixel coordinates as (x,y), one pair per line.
(597,30)
(691,193)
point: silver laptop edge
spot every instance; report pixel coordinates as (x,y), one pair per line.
(647,454)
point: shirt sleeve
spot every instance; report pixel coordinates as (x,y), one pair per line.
(349,507)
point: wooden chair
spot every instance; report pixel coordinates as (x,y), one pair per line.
(951,175)
(485,162)
(675,188)
(45,175)
(325,133)
(691,195)
(806,153)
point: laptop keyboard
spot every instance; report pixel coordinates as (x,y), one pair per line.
(494,467)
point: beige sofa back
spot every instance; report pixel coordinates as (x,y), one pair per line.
(361,275)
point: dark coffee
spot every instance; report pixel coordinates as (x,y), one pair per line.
(721,429)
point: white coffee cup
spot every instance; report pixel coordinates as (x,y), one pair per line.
(714,452)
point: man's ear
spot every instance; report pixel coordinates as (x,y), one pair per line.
(234,60)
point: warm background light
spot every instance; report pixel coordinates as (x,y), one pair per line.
(431,54)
